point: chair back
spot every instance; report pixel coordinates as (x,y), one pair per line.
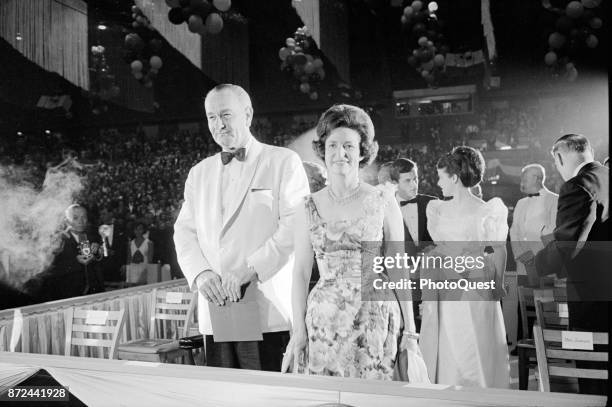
(552,314)
(172,314)
(556,356)
(93,329)
(527,307)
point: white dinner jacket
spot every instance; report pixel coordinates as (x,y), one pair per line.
(258,228)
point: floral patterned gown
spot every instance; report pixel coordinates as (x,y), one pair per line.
(348,337)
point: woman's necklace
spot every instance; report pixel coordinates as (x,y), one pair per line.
(344,200)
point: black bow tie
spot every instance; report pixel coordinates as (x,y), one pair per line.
(226,156)
(403,203)
(532,195)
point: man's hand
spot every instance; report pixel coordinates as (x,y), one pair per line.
(209,284)
(232,282)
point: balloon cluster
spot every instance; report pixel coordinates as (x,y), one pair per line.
(575,29)
(200,15)
(301,57)
(103,85)
(429,51)
(143,49)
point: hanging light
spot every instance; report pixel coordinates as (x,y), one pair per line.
(18,37)
(102,27)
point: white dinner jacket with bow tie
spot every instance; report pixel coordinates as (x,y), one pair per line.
(258,228)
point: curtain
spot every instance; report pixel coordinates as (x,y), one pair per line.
(51,33)
(178,36)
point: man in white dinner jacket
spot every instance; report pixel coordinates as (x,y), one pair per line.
(234,229)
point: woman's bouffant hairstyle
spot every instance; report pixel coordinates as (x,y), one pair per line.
(467,163)
(351,117)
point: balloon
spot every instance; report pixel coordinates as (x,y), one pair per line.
(283,53)
(148,84)
(574,9)
(195,23)
(314,95)
(412,61)
(564,24)
(550,58)
(572,74)
(137,75)
(300,59)
(155,44)
(133,41)
(309,68)
(592,41)
(290,42)
(439,60)
(591,3)
(418,28)
(222,5)
(430,44)
(318,63)
(425,73)
(417,5)
(175,16)
(136,66)
(425,55)
(428,65)
(305,88)
(172,3)
(404,20)
(214,23)
(321,73)
(556,40)
(433,7)
(408,11)
(155,62)
(422,41)
(135,9)
(596,23)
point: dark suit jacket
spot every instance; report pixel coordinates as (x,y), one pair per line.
(117,256)
(582,222)
(66,277)
(424,238)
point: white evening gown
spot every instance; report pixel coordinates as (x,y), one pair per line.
(464,342)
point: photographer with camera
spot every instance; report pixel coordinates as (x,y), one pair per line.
(75,270)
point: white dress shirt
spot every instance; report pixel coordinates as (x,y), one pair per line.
(232,172)
(533,217)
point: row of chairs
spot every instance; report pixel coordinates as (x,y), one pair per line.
(172,315)
(556,364)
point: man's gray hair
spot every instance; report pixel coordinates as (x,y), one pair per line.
(572,142)
(539,169)
(240,93)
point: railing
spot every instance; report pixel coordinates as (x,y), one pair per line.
(40,328)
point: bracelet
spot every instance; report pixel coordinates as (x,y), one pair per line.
(411,335)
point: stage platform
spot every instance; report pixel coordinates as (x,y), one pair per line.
(100,382)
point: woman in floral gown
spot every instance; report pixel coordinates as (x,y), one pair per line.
(334,332)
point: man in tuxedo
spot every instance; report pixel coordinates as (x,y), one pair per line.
(73,272)
(579,250)
(534,215)
(115,241)
(404,173)
(234,229)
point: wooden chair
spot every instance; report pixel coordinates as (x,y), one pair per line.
(526,346)
(93,329)
(552,314)
(555,361)
(171,317)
